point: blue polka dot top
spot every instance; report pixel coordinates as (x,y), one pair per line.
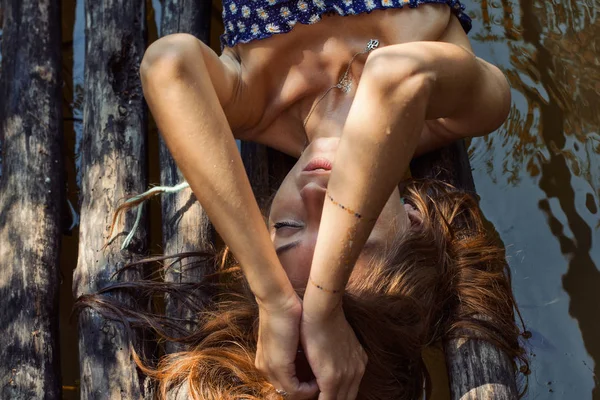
(248,20)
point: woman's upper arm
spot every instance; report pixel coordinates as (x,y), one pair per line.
(187,88)
(485,106)
(181,56)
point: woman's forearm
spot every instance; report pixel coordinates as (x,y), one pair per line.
(401,87)
(371,159)
(187,106)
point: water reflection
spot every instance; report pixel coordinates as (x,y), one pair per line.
(549,51)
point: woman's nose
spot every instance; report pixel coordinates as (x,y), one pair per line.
(313,196)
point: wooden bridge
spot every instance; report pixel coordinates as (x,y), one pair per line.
(114,165)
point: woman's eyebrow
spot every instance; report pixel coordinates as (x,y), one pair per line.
(287,246)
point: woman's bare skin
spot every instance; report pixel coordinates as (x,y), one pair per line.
(421,89)
(277,86)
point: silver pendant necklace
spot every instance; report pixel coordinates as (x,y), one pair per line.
(345,82)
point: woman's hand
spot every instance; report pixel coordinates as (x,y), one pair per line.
(335,355)
(277,347)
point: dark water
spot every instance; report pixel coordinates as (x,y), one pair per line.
(538,178)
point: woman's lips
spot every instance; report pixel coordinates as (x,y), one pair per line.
(318,164)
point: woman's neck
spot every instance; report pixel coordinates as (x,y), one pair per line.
(290,72)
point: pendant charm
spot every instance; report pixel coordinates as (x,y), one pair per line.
(372,45)
(345,85)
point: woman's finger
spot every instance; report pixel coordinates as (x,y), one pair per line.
(286,380)
(327,396)
(342,393)
(284,390)
(344,387)
(308,390)
(354,385)
(330,387)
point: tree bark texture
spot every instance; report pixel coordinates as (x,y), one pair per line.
(1,24)
(31,195)
(256,162)
(279,166)
(479,371)
(266,169)
(187,16)
(476,369)
(113,163)
(186,227)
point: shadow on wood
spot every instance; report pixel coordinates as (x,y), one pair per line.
(31,195)
(113,166)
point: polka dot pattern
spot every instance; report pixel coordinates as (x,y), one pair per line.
(248,20)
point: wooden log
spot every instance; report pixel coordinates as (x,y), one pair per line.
(279,166)
(31,196)
(187,16)
(256,162)
(1,24)
(185,226)
(113,163)
(477,370)
(266,169)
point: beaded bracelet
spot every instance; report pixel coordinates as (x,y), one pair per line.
(343,207)
(322,288)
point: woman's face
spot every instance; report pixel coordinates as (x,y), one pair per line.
(296,213)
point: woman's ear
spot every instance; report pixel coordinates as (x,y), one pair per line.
(414,216)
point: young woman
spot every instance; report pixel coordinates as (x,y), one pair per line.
(380,81)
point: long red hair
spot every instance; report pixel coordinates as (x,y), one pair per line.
(447,279)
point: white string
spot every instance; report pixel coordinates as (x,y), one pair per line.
(155,190)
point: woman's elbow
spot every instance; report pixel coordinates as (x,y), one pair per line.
(496,100)
(168,59)
(505,99)
(396,73)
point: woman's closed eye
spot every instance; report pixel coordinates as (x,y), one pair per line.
(286,230)
(284,226)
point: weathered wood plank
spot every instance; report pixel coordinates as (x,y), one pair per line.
(31,195)
(187,16)
(279,166)
(476,369)
(1,24)
(113,162)
(186,227)
(256,162)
